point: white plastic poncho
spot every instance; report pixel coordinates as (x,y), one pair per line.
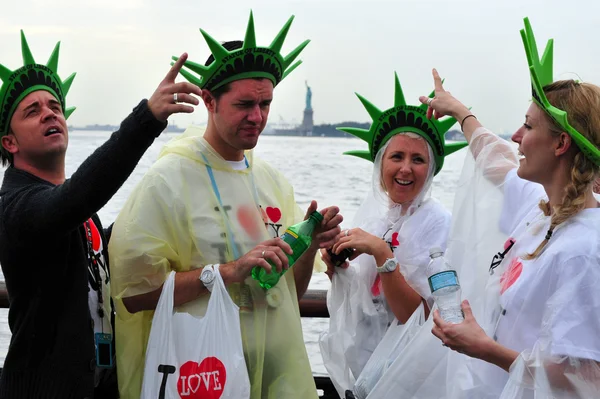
(359,314)
(547,308)
(174,221)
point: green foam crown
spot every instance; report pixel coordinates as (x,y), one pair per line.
(403,118)
(250,61)
(17,84)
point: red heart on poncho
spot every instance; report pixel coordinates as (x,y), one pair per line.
(395,241)
(274,214)
(510,275)
(205,380)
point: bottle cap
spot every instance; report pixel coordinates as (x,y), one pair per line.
(435,251)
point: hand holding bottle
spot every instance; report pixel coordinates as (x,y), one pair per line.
(274,250)
(467,337)
(332,261)
(325,234)
(361,241)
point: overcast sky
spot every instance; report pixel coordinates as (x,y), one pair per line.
(121,50)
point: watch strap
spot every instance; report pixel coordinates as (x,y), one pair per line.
(389,265)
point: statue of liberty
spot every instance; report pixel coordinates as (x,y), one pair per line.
(308,96)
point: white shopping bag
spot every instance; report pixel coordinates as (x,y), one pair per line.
(190,357)
(356,326)
(397,337)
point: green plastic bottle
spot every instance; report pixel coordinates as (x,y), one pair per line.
(299,237)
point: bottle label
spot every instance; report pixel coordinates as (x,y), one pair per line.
(444,279)
(289,236)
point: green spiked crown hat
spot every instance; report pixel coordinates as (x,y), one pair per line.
(399,119)
(17,84)
(250,61)
(541,76)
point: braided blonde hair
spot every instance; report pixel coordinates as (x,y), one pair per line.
(581,101)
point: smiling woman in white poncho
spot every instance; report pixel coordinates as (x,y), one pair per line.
(394,230)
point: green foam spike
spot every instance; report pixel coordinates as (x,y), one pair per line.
(277,43)
(250,37)
(453,147)
(357,132)
(194,66)
(191,78)
(4,73)
(27,56)
(67,83)
(218,51)
(290,69)
(294,54)
(69,111)
(53,60)
(373,111)
(360,154)
(398,95)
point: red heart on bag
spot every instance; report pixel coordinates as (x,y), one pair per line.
(274,214)
(205,380)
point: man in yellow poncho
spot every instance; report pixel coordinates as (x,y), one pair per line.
(208,200)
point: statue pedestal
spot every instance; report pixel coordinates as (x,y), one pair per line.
(307,123)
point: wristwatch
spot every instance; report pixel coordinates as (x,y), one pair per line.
(389,265)
(208,277)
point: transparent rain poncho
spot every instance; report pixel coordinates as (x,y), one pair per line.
(359,313)
(174,221)
(547,309)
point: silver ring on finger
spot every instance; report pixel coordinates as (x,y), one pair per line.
(175,98)
(262,255)
(430,100)
(347,233)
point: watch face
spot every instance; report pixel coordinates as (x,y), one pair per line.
(207,276)
(390,265)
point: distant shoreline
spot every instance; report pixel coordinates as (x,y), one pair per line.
(324,130)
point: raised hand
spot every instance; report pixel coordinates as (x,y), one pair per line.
(443,103)
(274,250)
(170,97)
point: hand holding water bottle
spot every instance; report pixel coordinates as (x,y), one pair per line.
(467,337)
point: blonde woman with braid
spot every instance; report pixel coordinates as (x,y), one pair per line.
(544,341)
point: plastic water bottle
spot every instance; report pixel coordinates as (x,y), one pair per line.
(444,285)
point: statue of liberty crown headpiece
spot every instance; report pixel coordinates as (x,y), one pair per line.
(541,76)
(399,119)
(250,61)
(17,84)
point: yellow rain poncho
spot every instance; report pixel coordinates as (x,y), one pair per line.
(173,220)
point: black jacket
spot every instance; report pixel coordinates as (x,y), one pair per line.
(44,261)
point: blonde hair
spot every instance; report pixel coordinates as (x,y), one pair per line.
(581,101)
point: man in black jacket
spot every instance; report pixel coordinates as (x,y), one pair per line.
(52,245)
